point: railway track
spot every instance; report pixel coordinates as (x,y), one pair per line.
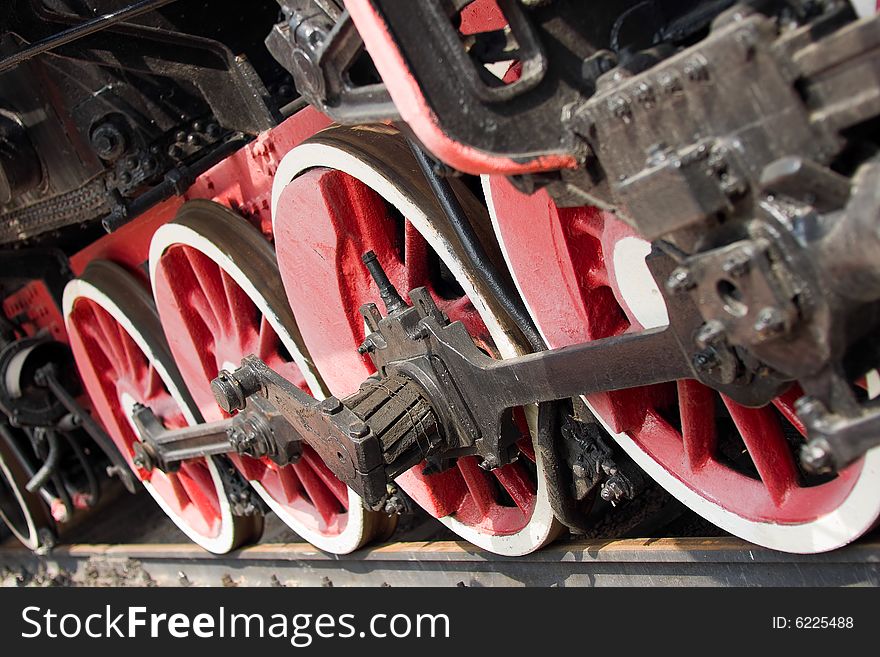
(631,562)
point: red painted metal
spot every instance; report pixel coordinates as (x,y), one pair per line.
(242,182)
(417,113)
(482,16)
(36,309)
(114,370)
(325,221)
(568,251)
(211,323)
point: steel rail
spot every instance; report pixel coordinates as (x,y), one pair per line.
(630,562)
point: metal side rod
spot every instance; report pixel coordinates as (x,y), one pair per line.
(626,361)
(82,30)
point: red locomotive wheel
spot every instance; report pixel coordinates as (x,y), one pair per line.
(735,466)
(220,298)
(123,360)
(350,190)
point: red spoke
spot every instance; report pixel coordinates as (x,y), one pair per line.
(477,484)
(133,355)
(697,404)
(416,258)
(290,483)
(212,289)
(196,480)
(240,308)
(154,385)
(339,489)
(325,502)
(109,332)
(459,308)
(178,490)
(766,444)
(785,405)
(268,340)
(517,483)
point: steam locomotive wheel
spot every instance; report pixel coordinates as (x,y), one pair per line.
(123,359)
(220,298)
(735,466)
(350,190)
(24,513)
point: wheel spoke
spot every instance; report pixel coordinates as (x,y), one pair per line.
(212,291)
(325,502)
(133,357)
(108,329)
(697,405)
(785,405)
(153,383)
(518,485)
(197,482)
(290,483)
(415,258)
(267,340)
(239,308)
(339,489)
(767,446)
(477,484)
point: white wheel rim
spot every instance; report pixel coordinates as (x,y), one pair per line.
(856,515)
(225,539)
(354,533)
(542,526)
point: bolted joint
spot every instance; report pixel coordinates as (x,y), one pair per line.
(142,458)
(331,406)
(616,489)
(231,389)
(816,457)
(769,324)
(680,281)
(706,360)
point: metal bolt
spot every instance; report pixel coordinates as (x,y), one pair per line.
(358,429)
(669,82)
(705,361)
(619,106)
(227,392)
(737,265)
(816,457)
(612,491)
(681,280)
(108,141)
(331,405)
(810,410)
(770,323)
(488,464)
(645,93)
(711,333)
(696,69)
